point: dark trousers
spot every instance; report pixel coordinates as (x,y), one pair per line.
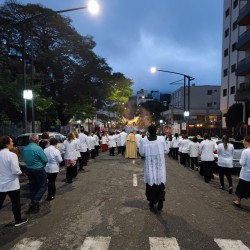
(74,170)
(15,201)
(123,149)
(155,193)
(207,170)
(83,160)
(51,184)
(194,161)
(227,172)
(112,151)
(69,173)
(97,150)
(175,153)
(170,154)
(38,184)
(92,153)
(185,159)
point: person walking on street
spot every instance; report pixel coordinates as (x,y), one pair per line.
(9,182)
(83,161)
(52,167)
(70,148)
(131,146)
(170,145)
(185,151)
(112,143)
(243,187)
(104,141)
(123,137)
(154,148)
(35,160)
(207,148)
(225,162)
(194,152)
(175,143)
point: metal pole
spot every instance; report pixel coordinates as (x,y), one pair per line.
(25,115)
(24,79)
(32,80)
(184,94)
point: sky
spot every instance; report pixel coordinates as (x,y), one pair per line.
(183,36)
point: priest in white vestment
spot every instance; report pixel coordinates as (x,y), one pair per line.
(154,148)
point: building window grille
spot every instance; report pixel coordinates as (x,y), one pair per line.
(233,68)
(235,25)
(234,46)
(235,4)
(224,92)
(225,72)
(232,90)
(226,33)
(227,12)
(225,52)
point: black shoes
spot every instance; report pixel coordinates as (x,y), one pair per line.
(230,190)
(33,208)
(50,198)
(20,222)
(160,205)
(222,188)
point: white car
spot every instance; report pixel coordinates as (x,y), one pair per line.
(238,148)
(23,140)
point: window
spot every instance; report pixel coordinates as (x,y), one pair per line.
(215,90)
(235,4)
(225,72)
(224,92)
(209,92)
(232,90)
(233,68)
(215,103)
(226,33)
(235,25)
(227,12)
(225,52)
(234,46)
(209,104)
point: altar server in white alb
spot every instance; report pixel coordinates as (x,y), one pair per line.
(154,148)
(9,182)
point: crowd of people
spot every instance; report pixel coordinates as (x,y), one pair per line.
(43,160)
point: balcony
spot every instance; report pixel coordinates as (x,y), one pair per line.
(244,41)
(243,67)
(243,92)
(244,15)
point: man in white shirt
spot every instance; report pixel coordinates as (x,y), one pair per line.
(83,160)
(123,139)
(9,182)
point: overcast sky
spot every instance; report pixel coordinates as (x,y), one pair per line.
(132,35)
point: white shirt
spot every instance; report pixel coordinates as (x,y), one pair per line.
(245,163)
(91,142)
(78,154)
(225,157)
(154,166)
(54,158)
(185,146)
(112,141)
(96,140)
(70,149)
(123,136)
(176,142)
(9,171)
(84,142)
(207,148)
(194,149)
(138,139)
(104,139)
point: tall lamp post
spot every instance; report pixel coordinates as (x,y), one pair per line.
(93,8)
(27,95)
(189,79)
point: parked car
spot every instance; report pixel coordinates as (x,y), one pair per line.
(238,148)
(23,140)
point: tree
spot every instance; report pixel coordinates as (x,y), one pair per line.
(234,115)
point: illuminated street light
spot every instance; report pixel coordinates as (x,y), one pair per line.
(27,95)
(93,7)
(153,70)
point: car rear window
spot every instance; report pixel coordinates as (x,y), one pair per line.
(23,140)
(238,145)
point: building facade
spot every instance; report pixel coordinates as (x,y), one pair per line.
(204,110)
(235,77)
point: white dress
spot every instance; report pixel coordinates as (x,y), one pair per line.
(154,166)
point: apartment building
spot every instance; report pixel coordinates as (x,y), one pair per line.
(204,109)
(235,77)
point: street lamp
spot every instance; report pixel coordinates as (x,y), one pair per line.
(93,7)
(189,78)
(27,95)
(161,123)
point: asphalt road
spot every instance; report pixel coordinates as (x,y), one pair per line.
(107,203)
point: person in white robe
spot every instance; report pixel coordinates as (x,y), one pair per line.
(154,148)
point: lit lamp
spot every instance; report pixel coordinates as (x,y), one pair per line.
(27,95)
(161,122)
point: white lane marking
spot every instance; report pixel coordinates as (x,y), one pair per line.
(163,243)
(231,244)
(135,184)
(96,243)
(133,162)
(28,244)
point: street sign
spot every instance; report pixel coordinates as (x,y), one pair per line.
(183,126)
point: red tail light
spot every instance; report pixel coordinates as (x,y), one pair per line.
(215,151)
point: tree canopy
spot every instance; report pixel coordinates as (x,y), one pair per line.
(69,79)
(234,115)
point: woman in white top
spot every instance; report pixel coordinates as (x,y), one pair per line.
(154,148)
(243,187)
(207,148)
(52,167)
(225,162)
(112,143)
(194,152)
(175,143)
(70,148)
(9,182)
(185,151)
(78,153)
